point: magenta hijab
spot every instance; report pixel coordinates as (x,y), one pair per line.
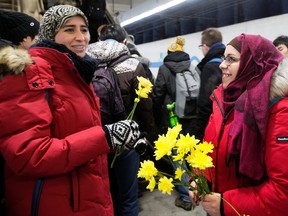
(248,95)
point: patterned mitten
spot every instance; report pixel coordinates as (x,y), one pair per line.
(124,132)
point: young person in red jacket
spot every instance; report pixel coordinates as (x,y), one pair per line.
(248,128)
(51,136)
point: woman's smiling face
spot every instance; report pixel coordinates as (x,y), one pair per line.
(74,34)
(229,65)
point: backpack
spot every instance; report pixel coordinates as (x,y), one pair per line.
(187,91)
(106,86)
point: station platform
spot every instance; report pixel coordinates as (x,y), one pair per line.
(157,204)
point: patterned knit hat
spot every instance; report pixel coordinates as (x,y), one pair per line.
(55,17)
(177,44)
(15,26)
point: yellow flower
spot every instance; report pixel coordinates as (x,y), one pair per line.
(165,185)
(145,83)
(152,184)
(163,146)
(179,173)
(173,133)
(185,143)
(199,160)
(186,151)
(142,93)
(144,87)
(147,170)
(178,157)
(205,147)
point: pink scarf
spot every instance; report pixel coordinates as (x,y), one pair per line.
(248,95)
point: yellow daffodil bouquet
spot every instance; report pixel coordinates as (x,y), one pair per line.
(143,91)
(191,156)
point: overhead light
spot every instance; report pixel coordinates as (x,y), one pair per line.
(151,12)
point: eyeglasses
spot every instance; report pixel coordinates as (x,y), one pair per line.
(228,60)
(200,46)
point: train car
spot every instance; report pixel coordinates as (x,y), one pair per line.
(270,27)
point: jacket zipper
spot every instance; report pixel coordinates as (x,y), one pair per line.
(218,142)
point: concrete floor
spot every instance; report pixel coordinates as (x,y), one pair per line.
(157,204)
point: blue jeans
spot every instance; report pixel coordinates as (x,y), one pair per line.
(182,190)
(124,183)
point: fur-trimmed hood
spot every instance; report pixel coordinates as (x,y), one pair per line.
(13,60)
(279,81)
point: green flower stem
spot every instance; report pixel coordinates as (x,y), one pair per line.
(122,148)
(161,174)
(170,159)
(152,147)
(231,206)
(130,116)
(117,153)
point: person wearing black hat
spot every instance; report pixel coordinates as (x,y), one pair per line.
(19,28)
(12,60)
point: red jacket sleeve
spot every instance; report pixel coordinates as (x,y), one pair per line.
(25,136)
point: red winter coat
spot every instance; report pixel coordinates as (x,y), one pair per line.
(64,144)
(266,198)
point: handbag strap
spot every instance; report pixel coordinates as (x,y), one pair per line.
(36,196)
(39,182)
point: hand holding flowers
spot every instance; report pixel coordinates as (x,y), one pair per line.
(144,88)
(188,151)
(192,157)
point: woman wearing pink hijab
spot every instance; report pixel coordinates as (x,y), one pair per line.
(249,131)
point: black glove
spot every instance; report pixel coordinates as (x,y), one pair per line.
(141,146)
(124,132)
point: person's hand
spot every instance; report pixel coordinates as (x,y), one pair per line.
(141,146)
(193,194)
(211,204)
(125,132)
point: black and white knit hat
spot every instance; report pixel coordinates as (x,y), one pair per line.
(55,17)
(15,26)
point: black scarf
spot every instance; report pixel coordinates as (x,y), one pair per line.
(85,66)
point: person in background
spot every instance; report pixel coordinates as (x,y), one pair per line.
(15,60)
(19,28)
(95,13)
(249,132)
(143,60)
(281,43)
(153,134)
(164,93)
(210,76)
(51,137)
(123,175)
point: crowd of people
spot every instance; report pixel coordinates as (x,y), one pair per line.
(57,149)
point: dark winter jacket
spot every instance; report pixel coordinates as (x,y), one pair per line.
(211,77)
(127,72)
(270,196)
(51,129)
(164,90)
